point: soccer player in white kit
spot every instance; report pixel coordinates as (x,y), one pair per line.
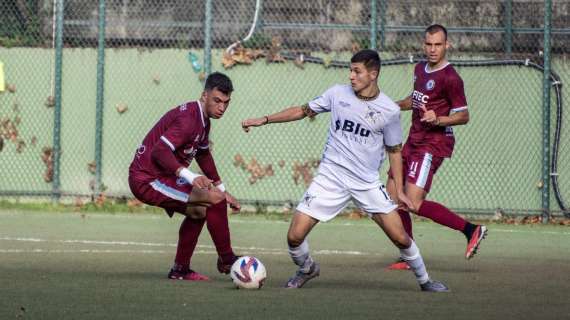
(364,123)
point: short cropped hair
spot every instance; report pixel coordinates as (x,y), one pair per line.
(219,81)
(437,28)
(369,58)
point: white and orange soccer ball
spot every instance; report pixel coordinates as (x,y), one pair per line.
(248,273)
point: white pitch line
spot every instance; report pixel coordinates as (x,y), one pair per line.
(7,251)
(529,231)
(244,250)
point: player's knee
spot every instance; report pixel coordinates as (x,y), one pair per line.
(221,204)
(402,241)
(416,204)
(216,197)
(294,240)
(197,212)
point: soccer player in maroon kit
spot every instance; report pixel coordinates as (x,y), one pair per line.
(159,176)
(438,102)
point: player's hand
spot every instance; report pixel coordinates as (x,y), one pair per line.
(429,116)
(404,202)
(234,204)
(202,182)
(253,122)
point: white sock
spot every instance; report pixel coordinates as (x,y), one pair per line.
(301,256)
(414,259)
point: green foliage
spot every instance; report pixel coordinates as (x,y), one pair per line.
(20,25)
(258,41)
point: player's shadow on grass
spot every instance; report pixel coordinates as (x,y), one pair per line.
(365,285)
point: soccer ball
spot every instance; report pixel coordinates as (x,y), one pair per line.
(248,273)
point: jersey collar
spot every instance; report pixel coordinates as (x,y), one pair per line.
(435,70)
(201,113)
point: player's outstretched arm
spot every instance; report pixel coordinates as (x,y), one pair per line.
(233,202)
(290,114)
(454,119)
(406,103)
(396,163)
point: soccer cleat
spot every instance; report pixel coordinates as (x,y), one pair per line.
(478,235)
(300,278)
(434,286)
(225,268)
(188,274)
(399,265)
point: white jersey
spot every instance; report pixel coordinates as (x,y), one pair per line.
(358,132)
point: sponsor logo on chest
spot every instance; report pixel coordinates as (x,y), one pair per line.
(420,96)
(351,127)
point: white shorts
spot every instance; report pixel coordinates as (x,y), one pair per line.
(329,194)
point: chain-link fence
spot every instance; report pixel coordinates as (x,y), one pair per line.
(85,81)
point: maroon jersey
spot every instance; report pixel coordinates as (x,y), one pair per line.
(439,90)
(183,129)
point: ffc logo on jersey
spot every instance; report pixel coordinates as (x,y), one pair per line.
(430,84)
(373,115)
(418,96)
(350,126)
(140,150)
(308,198)
(181,181)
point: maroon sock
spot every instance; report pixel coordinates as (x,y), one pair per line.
(441,215)
(217,223)
(187,238)
(406,222)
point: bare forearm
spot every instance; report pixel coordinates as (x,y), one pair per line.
(395,159)
(454,119)
(206,162)
(406,103)
(290,114)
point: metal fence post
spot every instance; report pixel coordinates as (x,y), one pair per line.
(99,103)
(382,23)
(546,113)
(373,24)
(259,23)
(208,38)
(56,152)
(508,40)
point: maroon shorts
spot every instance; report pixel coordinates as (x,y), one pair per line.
(419,169)
(169,192)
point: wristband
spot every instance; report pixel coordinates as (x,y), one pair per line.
(266,120)
(188,175)
(221,187)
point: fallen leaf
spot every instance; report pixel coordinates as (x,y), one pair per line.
(355,47)
(11,88)
(20,145)
(327,61)
(92,167)
(50,102)
(299,61)
(122,108)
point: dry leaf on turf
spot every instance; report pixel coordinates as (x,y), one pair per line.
(122,108)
